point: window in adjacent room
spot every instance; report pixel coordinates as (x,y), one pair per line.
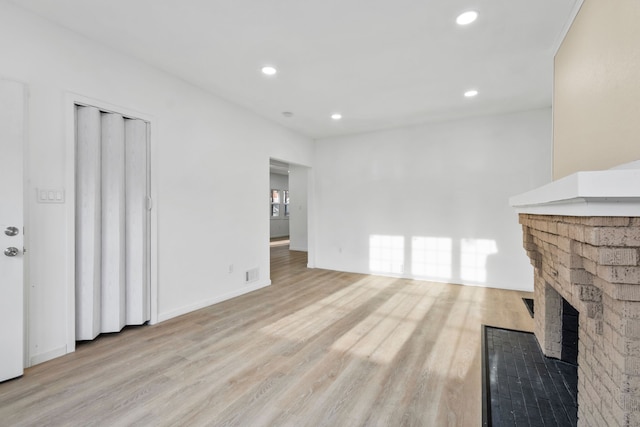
(275,203)
(285,200)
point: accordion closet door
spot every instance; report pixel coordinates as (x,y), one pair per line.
(112,222)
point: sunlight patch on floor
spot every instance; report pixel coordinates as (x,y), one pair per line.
(454,359)
(382,334)
(314,318)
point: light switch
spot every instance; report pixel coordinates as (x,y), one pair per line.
(50,195)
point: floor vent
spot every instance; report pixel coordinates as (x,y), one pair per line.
(252,275)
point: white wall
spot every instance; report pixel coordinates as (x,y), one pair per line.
(206,152)
(279,225)
(450,180)
(298,221)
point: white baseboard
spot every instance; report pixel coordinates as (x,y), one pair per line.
(48,355)
(202,304)
(518,287)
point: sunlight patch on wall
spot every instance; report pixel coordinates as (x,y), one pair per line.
(473,258)
(431,257)
(386,254)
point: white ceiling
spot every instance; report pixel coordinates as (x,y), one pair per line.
(381,63)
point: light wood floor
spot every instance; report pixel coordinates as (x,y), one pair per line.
(317,348)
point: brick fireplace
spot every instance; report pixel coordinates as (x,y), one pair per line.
(582,235)
(593,264)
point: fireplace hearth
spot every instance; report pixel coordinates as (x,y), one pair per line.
(522,387)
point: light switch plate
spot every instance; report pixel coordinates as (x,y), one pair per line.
(50,195)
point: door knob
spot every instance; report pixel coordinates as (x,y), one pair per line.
(11,231)
(11,251)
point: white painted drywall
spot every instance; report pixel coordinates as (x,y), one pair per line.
(210,171)
(298,221)
(279,225)
(450,180)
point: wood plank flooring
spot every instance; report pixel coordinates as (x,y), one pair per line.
(317,348)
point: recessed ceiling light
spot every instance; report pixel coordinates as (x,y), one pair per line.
(471,93)
(467,18)
(336,116)
(269,71)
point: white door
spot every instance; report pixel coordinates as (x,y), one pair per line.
(11,229)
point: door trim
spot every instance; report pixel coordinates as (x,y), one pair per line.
(71,100)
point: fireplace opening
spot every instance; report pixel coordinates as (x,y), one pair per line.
(570,319)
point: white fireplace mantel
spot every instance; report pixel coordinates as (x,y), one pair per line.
(612,192)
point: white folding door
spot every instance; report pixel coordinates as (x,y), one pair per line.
(112,187)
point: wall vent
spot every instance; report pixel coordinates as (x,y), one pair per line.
(252,275)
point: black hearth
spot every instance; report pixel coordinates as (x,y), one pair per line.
(523,387)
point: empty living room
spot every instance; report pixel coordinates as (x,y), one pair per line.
(341,213)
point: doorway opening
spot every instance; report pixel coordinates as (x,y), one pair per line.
(279,199)
(288,206)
